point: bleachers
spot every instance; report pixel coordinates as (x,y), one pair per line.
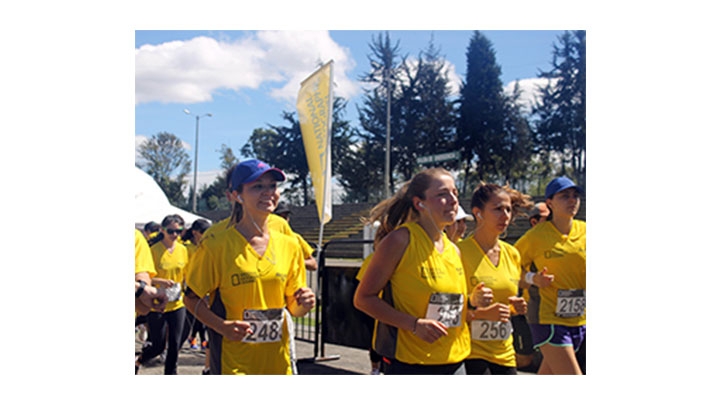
(347,223)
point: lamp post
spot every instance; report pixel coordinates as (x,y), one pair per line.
(197,134)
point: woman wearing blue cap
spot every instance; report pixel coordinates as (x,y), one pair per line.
(556,311)
(252,273)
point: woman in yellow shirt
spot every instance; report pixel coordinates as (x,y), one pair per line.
(165,328)
(421,326)
(252,273)
(495,264)
(556,248)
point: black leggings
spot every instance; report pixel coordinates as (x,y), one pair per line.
(399,368)
(479,366)
(165,328)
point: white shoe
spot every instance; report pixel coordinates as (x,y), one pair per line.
(375,372)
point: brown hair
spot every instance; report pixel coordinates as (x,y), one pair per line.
(520,202)
(237,210)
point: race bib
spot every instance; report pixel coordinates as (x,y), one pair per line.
(266,325)
(570,303)
(446,308)
(490,330)
(173,293)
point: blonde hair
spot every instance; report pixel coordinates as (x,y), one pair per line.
(398,209)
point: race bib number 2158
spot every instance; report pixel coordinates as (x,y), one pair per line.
(570,303)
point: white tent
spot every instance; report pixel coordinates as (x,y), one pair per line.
(151,203)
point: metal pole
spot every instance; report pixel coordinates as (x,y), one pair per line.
(387,136)
(194,196)
(197,137)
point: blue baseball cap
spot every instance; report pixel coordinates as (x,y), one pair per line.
(559,184)
(251,170)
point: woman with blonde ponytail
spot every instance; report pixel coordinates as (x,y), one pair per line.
(420,326)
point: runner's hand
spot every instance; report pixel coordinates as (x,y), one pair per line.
(519,304)
(305,297)
(235,330)
(430,330)
(542,279)
(481,296)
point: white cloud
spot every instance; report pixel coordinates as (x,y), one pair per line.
(191,71)
(139,141)
(529,93)
(454,81)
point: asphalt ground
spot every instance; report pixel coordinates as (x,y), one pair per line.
(333,360)
(329,360)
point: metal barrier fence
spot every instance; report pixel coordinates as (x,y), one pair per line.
(334,320)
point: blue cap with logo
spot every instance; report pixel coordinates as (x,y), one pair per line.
(251,170)
(559,184)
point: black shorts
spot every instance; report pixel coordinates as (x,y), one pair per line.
(522,337)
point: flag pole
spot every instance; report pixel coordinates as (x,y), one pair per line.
(328,156)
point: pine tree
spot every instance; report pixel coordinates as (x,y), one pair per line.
(560,122)
(481,111)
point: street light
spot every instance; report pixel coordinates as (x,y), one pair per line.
(197,132)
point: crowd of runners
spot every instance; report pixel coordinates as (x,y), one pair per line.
(443,302)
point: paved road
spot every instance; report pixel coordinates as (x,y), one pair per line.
(345,361)
(335,360)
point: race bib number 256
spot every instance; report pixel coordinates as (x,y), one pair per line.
(490,330)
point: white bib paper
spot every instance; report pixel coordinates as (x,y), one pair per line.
(570,303)
(446,308)
(490,330)
(266,325)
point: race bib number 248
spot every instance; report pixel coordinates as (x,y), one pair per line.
(266,325)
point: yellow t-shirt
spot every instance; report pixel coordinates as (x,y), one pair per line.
(275,222)
(564,257)
(241,280)
(421,285)
(143,258)
(492,341)
(171,266)
(191,248)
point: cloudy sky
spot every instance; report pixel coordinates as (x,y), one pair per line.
(245,79)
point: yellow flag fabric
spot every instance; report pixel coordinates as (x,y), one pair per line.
(314,105)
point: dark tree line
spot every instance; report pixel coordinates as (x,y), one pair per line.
(498,141)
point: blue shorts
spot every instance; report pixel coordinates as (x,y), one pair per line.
(557,335)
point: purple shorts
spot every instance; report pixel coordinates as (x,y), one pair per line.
(557,335)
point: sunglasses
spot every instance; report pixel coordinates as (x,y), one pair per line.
(173,231)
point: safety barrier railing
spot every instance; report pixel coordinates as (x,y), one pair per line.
(314,329)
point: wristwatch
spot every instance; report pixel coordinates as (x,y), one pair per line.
(140,289)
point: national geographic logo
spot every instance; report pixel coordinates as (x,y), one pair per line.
(554,254)
(237,279)
(431,273)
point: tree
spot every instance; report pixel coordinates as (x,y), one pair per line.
(560,113)
(481,109)
(227,158)
(379,101)
(425,111)
(212,197)
(163,157)
(362,168)
(283,147)
(516,150)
